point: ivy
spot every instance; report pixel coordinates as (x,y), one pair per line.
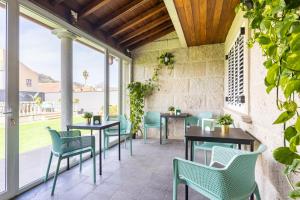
(138,91)
(276,28)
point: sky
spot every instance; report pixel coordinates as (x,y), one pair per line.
(40,50)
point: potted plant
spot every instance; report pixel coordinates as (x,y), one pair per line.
(171,110)
(88,116)
(225,121)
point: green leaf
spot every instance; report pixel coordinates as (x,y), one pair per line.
(270,88)
(263,40)
(297,125)
(283,117)
(291,86)
(284,155)
(272,73)
(294,194)
(289,133)
(291,168)
(294,142)
(293,61)
(298,183)
(290,106)
(295,42)
(291,4)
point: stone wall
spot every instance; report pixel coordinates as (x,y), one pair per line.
(260,107)
(195,84)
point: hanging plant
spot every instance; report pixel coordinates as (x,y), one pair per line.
(138,91)
(276,28)
(167,59)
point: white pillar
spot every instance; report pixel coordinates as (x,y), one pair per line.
(120,79)
(66,76)
(106,84)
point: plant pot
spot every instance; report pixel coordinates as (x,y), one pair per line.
(134,136)
(88,121)
(225,129)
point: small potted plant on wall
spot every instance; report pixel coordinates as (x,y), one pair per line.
(88,116)
(225,121)
(171,110)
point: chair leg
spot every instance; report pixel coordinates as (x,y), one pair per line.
(125,142)
(55,176)
(94,165)
(80,164)
(256,192)
(48,168)
(105,146)
(130,146)
(205,157)
(175,186)
(145,135)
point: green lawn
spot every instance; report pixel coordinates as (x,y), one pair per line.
(34,135)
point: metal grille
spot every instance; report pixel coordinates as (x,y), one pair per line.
(236,72)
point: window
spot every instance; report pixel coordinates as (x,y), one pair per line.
(236,71)
(28,82)
(114,85)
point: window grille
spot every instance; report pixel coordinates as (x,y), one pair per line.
(235,62)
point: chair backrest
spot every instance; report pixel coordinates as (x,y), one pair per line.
(241,172)
(191,121)
(123,122)
(56,140)
(202,115)
(152,118)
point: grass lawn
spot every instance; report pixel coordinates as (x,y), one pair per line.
(34,135)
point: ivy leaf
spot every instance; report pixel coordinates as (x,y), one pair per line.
(270,88)
(298,183)
(289,133)
(291,168)
(294,194)
(295,42)
(272,73)
(283,117)
(284,155)
(294,142)
(290,106)
(263,40)
(293,61)
(291,86)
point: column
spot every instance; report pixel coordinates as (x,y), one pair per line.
(66,76)
(106,84)
(120,79)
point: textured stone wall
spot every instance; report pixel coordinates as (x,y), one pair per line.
(261,108)
(195,84)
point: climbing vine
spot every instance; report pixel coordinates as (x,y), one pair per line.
(276,28)
(138,91)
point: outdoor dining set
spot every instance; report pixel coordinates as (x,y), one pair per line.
(230,174)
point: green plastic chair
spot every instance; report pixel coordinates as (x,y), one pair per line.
(207,146)
(67,144)
(125,131)
(233,179)
(151,120)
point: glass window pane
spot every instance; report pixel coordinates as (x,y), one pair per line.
(113,85)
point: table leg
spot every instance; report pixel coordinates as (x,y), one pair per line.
(160,130)
(100,152)
(119,141)
(186,157)
(240,146)
(91,135)
(192,150)
(68,159)
(166,128)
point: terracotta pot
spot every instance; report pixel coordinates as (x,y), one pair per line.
(225,129)
(88,121)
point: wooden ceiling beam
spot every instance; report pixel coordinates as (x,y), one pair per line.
(144,29)
(138,19)
(92,7)
(150,33)
(152,38)
(118,14)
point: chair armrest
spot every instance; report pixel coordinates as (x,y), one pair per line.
(70,133)
(201,176)
(224,155)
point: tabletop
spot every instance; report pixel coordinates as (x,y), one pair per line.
(104,124)
(182,115)
(235,134)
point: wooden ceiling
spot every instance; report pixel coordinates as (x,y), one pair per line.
(123,24)
(129,24)
(205,21)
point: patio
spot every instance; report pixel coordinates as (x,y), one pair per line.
(146,175)
(206,91)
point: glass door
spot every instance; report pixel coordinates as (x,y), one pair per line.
(3,187)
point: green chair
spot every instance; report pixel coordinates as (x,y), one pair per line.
(67,144)
(230,176)
(207,146)
(151,120)
(125,131)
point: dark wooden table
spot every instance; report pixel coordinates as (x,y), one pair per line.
(167,116)
(100,127)
(235,136)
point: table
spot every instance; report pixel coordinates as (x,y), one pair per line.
(100,127)
(235,136)
(167,116)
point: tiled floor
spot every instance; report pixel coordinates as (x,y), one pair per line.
(147,175)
